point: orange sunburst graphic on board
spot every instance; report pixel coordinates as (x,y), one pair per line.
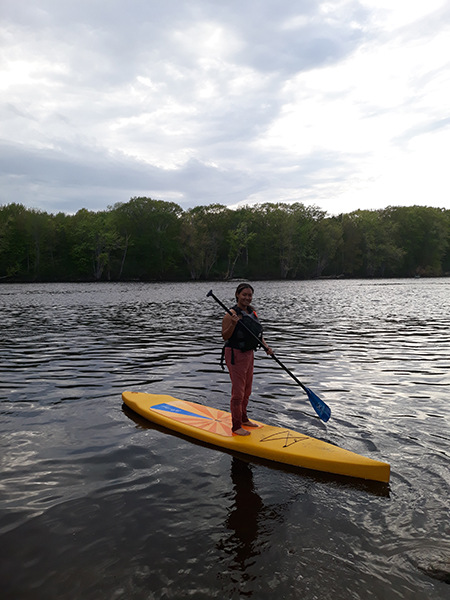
(197,415)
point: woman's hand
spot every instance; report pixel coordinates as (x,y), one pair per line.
(228,325)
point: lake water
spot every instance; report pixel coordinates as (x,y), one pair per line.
(98,504)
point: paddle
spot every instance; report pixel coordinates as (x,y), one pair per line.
(319,405)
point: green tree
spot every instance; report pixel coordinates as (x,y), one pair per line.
(16,258)
(5,235)
(284,241)
(423,234)
(38,226)
(150,231)
(328,241)
(153,239)
(370,245)
(203,231)
(94,239)
(238,238)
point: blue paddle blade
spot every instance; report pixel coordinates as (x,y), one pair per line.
(319,405)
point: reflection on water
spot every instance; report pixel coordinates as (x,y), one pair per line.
(244,516)
(244,521)
(98,503)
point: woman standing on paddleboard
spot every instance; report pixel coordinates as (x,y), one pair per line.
(239,354)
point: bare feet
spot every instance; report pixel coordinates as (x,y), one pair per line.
(249,424)
(241,431)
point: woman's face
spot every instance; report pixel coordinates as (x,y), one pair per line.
(244,298)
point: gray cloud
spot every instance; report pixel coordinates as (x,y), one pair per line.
(61,180)
(107,100)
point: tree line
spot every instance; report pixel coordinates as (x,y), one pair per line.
(146,240)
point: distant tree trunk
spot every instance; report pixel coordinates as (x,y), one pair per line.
(127,237)
(238,239)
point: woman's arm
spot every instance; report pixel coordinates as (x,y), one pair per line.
(268,350)
(229,322)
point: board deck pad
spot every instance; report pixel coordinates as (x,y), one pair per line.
(279,444)
(196,415)
(216,421)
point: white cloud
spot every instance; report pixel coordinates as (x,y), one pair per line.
(341,104)
(394,14)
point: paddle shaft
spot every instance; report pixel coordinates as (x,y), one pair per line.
(276,359)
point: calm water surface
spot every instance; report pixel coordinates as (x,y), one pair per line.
(96,503)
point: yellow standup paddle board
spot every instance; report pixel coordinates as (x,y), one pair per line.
(273,443)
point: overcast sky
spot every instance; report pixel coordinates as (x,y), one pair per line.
(339,104)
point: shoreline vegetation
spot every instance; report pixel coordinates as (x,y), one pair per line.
(154,240)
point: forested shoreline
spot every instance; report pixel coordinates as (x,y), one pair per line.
(147,240)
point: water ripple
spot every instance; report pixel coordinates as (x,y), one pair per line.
(98,503)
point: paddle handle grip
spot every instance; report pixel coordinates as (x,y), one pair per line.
(210,293)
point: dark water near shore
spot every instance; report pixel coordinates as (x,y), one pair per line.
(96,503)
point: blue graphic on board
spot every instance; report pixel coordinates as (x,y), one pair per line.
(179,411)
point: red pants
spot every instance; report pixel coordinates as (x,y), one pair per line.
(241,375)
